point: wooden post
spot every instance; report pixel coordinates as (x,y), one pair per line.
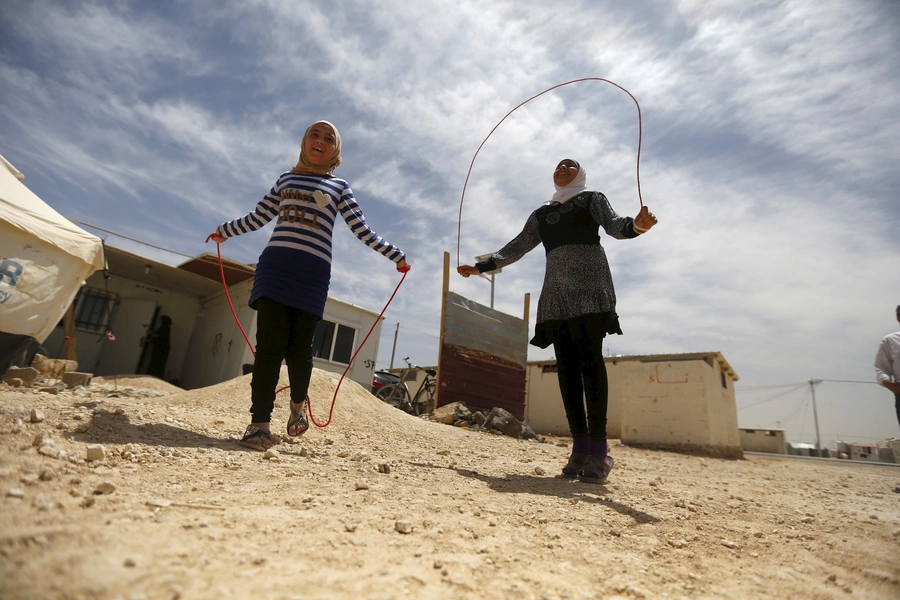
(69,332)
(527,307)
(444,290)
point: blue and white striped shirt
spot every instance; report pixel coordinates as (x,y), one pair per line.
(305,208)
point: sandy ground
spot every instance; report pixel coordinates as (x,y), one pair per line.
(382,505)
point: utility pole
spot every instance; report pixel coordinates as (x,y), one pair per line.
(812,389)
(493,273)
(394,348)
(492,289)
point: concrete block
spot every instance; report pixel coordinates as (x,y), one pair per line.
(53,367)
(75,379)
(27,375)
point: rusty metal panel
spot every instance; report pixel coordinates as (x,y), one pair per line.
(481,381)
(474,326)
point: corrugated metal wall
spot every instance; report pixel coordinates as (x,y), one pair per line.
(483,356)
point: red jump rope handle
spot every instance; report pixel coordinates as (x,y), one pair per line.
(404,269)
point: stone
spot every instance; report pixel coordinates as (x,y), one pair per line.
(42,439)
(445,414)
(36,416)
(48,450)
(503,421)
(96,452)
(53,367)
(104,489)
(462,412)
(403,527)
(26,376)
(73,379)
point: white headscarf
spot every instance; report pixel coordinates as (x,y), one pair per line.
(575,187)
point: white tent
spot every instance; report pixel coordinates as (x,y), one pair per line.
(44,259)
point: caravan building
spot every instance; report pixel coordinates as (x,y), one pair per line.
(116,308)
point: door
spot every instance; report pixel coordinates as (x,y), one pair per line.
(130,325)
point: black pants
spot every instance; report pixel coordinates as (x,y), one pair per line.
(897,405)
(282,333)
(583,382)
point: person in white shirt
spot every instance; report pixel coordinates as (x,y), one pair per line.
(887,364)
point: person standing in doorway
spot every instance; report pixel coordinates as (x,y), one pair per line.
(160,340)
(887,365)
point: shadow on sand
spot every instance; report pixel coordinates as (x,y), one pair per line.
(558,486)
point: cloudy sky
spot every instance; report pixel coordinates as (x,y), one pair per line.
(769,154)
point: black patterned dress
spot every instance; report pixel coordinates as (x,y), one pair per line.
(578,288)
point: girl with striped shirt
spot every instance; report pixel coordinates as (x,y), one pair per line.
(294,271)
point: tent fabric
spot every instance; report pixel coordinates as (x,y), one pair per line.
(22,209)
(44,260)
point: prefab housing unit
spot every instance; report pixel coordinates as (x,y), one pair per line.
(770,441)
(682,402)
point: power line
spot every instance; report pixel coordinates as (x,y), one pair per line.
(768,387)
(130,239)
(797,387)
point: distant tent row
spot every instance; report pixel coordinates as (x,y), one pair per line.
(44,259)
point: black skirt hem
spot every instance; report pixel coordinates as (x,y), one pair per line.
(604,323)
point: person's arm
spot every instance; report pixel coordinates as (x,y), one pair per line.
(266,210)
(356,221)
(522,244)
(884,367)
(618,227)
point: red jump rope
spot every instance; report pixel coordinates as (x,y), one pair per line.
(404,270)
(640,136)
(458,235)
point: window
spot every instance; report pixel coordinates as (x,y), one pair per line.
(724,381)
(93,308)
(333,342)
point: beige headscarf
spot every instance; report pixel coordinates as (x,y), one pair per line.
(304,167)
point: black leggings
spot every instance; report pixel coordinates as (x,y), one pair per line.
(583,381)
(897,405)
(282,333)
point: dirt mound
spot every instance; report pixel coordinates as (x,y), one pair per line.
(144,382)
(148,495)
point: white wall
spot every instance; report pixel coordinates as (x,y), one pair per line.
(677,403)
(361,320)
(763,440)
(217,349)
(104,357)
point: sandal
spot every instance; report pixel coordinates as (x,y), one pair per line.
(595,471)
(298,419)
(256,438)
(575,464)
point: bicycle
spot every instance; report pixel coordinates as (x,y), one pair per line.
(397,394)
